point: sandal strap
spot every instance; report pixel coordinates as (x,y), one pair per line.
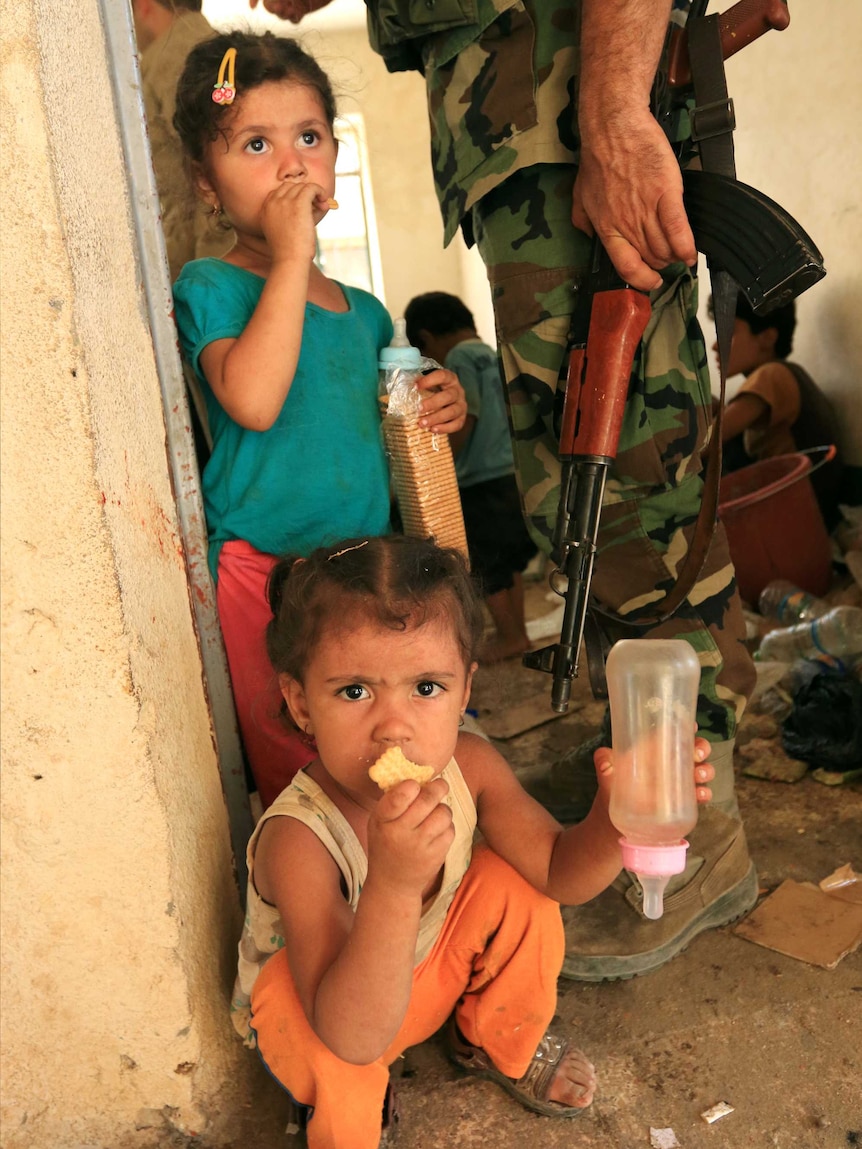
(536,1082)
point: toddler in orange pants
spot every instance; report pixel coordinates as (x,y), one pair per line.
(371,918)
(495,963)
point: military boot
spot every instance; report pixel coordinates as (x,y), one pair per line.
(568,788)
(610,938)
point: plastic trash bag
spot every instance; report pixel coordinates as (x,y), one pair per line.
(824,728)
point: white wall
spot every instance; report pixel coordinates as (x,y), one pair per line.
(798,99)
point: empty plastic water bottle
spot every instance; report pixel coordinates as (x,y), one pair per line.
(788,604)
(837,633)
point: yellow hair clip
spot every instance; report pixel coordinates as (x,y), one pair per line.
(224,89)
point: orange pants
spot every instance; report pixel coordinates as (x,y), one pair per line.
(275,751)
(495,962)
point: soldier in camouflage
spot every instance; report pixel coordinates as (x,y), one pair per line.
(516,162)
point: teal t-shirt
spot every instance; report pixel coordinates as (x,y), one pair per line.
(319,474)
(487,454)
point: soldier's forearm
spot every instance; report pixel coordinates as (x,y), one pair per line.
(621,44)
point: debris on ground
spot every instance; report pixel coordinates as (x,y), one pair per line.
(805,714)
(720,1109)
(663,1139)
(819,925)
(764,758)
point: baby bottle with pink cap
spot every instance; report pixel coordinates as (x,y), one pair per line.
(652,686)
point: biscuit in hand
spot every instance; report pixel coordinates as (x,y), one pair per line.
(392,767)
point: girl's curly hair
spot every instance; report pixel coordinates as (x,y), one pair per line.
(394,581)
(260,59)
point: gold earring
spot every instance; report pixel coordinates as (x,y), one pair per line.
(216,210)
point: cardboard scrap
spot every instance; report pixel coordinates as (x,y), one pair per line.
(512,720)
(807,922)
(834,777)
(663,1139)
(765,758)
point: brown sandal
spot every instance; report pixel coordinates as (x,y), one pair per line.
(531,1089)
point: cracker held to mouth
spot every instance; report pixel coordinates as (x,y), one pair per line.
(392,767)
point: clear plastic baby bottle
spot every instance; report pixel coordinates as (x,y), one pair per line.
(652,686)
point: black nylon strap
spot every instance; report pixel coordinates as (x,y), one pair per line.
(713,119)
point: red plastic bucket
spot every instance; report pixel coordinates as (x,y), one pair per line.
(774,526)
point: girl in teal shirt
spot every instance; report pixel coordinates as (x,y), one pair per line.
(286,358)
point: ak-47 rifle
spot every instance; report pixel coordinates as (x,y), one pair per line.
(607,327)
(743,234)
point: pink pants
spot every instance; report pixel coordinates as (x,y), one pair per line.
(275,750)
(495,962)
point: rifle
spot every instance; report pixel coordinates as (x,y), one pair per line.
(745,235)
(607,327)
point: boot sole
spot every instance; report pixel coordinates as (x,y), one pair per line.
(724,910)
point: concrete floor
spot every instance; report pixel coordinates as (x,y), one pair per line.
(727,1020)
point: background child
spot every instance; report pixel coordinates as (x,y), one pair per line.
(779,408)
(398,920)
(287,358)
(443,328)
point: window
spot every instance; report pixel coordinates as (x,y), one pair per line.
(347,246)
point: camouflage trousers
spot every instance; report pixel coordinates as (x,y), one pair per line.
(536,264)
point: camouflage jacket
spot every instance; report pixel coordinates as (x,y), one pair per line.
(501,77)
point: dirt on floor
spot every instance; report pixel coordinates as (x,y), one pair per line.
(776,1038)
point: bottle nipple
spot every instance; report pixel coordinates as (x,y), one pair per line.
(653,866)
(653,886)
(400,352)
(399,336)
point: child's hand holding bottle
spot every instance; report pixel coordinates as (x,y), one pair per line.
(704,773)
(444,404)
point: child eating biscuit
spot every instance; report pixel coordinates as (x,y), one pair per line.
(399,922)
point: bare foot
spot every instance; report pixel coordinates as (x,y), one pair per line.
(575,1081)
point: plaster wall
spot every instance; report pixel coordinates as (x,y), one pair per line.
(798,104)
(119,903)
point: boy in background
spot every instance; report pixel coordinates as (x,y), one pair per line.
(778,409)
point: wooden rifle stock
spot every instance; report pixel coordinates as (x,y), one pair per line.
(739,26)
(742,232)
(599,375)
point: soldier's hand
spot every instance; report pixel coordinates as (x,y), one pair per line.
(629,191)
